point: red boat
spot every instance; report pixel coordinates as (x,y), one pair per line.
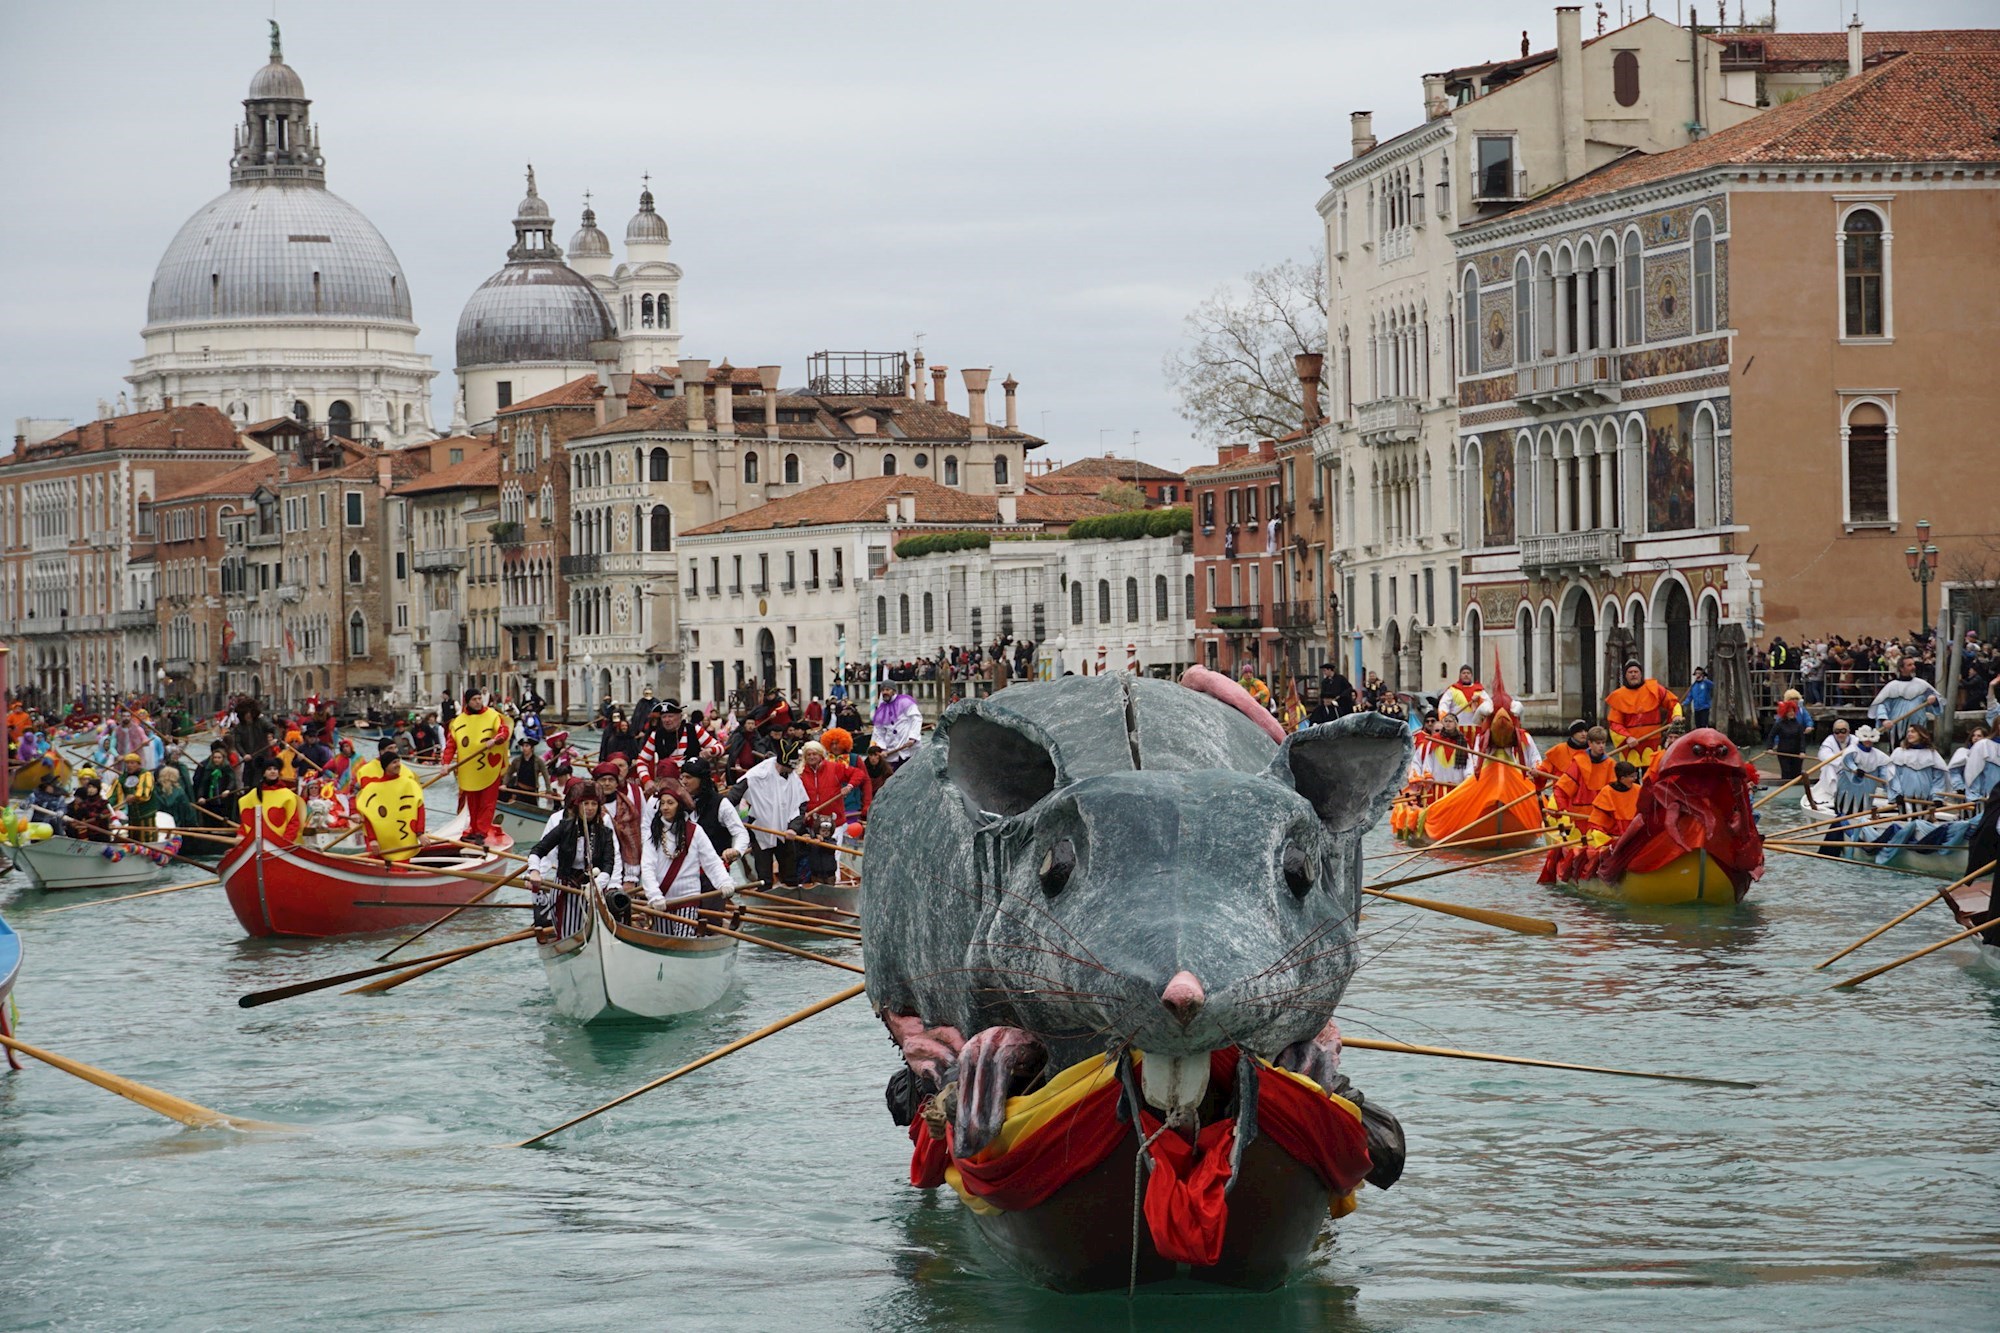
(296,891)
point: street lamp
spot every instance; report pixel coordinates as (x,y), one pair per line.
(1922,560)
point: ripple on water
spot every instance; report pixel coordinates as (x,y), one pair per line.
(1861,1177)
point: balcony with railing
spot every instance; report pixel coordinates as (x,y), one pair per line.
(178,666)
(1389,421)
(243,652)
(138,618)
(291,592)
(1237,619)
(1593,548)
(438,560)
(526,617)
(574,566)
(1567,383)
(1293,616)
(263,537)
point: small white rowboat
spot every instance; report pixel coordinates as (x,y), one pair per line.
(607,972)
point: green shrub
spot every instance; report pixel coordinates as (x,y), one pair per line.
(932,543)
(1134,523)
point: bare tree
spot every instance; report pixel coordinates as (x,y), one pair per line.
(1974,573)
(1234,376)
(1123,494)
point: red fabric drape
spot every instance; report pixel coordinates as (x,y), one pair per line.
(1698,797)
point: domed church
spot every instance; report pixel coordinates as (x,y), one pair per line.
(530,327)
(278,298)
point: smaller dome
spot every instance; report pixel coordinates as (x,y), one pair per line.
(646,226)
(589,242)
(277,80)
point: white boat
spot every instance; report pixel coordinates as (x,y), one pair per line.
(608,972)
(58,863)
(1964,904)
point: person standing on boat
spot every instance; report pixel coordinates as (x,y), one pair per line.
(1638,713)
(391,806)
(132,793)
(718,818)
(1982,766)
(1861,774)
(1589,773)
(1960,756)
(1462,700)
(272,808)
(670,739)
(678,857)
(1788,740)
(170,798)
(1919,775)
(1617,803)
(215,787)
(580,853)
(424,738)
(896,725)
(476,747)
(827,781)
(1450,758)
(1907,701)
(527,776)
(251,738)
(775,796)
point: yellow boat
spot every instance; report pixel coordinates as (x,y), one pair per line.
(29,775)
(1693,879)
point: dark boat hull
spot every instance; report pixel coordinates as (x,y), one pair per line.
(1080,1238)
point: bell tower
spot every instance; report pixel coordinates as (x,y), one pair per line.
(277,141)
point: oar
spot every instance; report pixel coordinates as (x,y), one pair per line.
(838,997)
(1765,799)
(1842,860)
(798,837)
(255,998)
(796,902)
(462,907)
(1453,1053)
(692,924)
(210,882)
(390,983)
(478,898)
(1455,846)
(1897,921)
(755,912)
(1454,870)
(1524,925)
(1965,934)
(166,1104)
(783,923)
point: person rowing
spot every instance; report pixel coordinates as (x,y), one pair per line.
(1637,714)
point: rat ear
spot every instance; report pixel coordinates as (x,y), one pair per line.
(1350,768)
(1000,767)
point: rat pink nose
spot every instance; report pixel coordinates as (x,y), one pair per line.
(1183,997)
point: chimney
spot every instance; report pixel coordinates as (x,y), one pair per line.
(892,511)
(167,402)
(975,399)
(725,399)
(1007,386)
(937,384)
(1362,126)
(1855,55)
(1009,509)
(1308,365)
(767,379)
(694,375)
(1569,88)
(385,476)
(1436,104)
(906,506)
(917,376)
(617,398)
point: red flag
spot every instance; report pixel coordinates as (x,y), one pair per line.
(291,646)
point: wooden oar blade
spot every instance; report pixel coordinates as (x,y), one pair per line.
(1524,925)
(162,1103)
(255,998)
(1453,1053)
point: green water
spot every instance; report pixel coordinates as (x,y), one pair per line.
(1860,1185)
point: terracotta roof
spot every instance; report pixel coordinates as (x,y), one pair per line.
(480,469)
(583,391)
(236,482)
(1062,509)
(201,428)
(1812,49)
(1925,107)
(897,421)
(1051,484)
(1113,468)
(864,501)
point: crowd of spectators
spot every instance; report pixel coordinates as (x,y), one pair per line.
(1841,672)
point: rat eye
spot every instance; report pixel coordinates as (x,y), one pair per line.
(1057,864)
(1298,872)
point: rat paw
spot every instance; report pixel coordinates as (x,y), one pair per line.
(993,1065)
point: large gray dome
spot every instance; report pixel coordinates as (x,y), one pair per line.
(535,310)
(278,251)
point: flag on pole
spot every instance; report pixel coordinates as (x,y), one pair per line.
(1295,711)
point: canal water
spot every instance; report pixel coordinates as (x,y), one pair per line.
(1860,1184)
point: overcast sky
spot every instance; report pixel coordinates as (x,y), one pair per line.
(1045,189)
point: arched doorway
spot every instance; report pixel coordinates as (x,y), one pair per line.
(1392,658)
(1579,656)
(1711,632)
(1677,619)
(767,658)
(604,685)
